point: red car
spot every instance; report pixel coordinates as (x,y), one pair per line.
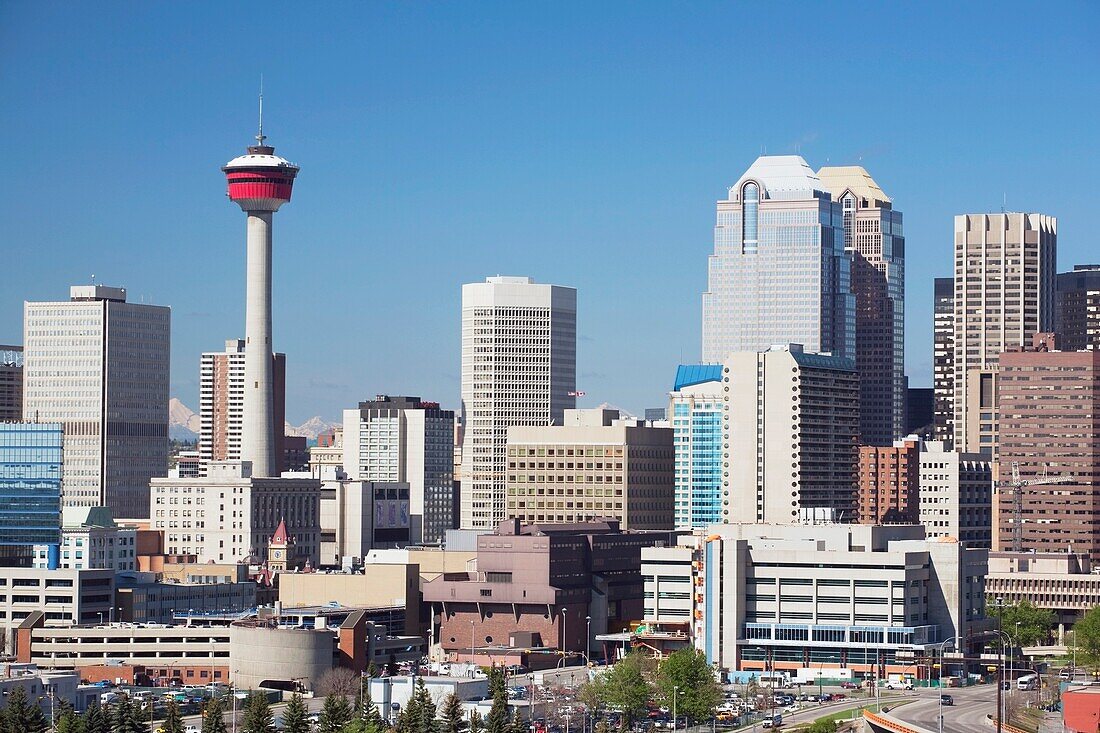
(849,685)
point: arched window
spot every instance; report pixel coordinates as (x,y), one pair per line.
(750,202)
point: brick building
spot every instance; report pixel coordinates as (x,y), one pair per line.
(536,584)
(1048,402)
(888,481)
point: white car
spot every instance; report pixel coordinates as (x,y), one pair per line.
(899,685)
(192,729)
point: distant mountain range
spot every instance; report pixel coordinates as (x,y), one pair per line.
(183,424)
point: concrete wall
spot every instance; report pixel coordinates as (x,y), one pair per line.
(380,585)
(258,654)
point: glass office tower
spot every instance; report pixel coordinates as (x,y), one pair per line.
(779,273)
(695,407)
(30,484)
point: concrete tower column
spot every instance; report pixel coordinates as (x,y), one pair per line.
(257,430)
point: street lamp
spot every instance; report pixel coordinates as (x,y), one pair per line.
(943,650)
(564,636)
(588,640)
(471,644)
(675,720)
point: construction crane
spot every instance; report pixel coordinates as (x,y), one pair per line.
(1017,485)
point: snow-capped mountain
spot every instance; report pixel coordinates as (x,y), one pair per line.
(183,422)
(310,429)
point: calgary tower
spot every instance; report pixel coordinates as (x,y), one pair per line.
(260,182)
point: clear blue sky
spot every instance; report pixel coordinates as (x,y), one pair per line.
(579,143)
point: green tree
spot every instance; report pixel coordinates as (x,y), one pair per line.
(335,714)
(497,721)
(127,717)
(1086,638)
(173,722)
(369,719)
(258,717)
(213,717)
(476,723)
(686,677)
(295,716)
(1025,624)
(425,709)
(625,688)
(451,712)
(823,726)
(68,721)
(96,720)
(19,715)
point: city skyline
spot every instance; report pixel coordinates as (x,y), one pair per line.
(529,153)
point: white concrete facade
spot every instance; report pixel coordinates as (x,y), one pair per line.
(100,366)
(407,440)
(791,421)
(90,539)
(519,367)
(956,495)
(230,515)
(782,596)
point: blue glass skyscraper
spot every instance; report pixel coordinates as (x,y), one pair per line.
(30,484)
(695,411)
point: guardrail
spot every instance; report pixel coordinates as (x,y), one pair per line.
(1005,727)
(888,724)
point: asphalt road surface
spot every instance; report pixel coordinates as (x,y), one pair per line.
(967,715)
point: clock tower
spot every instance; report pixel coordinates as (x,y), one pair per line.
(280,550)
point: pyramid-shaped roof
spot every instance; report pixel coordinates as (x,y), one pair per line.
(838,178)
(782,175)
(281,536)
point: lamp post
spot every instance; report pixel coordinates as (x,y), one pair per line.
(471,643)
(588,640)
(675,720)
(1000,678)
(943,649)
(564,637)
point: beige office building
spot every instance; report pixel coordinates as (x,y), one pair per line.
(789,452)
(955,495)
(596,465)
(1005,268)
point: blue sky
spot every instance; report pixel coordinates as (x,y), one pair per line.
(579,143)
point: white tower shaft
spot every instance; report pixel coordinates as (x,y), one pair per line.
(257,430)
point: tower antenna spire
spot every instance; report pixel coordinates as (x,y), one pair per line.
(261,137)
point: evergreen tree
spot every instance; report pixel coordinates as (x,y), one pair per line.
(213,717)
(425,710)
(68,721)
(258,717)
(96,720)
(18,716)
(368,714)
(295,716)
(497,721)
(173,723)
(451,712)
(476,723)
(335,714)
(516,724)
(126,717)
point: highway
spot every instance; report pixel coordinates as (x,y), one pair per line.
(967,715)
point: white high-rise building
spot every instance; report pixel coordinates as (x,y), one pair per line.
(779,273)
(956,495)
(406,440)
(789,451)
(519,367)
(100,366)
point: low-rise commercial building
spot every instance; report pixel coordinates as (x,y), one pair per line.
(142,598)
(553,586)
(871,599)
(379,587)
(1062,582)
(90,538)
(48,689)
(596,465)
(62,596)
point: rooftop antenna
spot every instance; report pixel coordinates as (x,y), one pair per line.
(261,137)
(93,278)
(1004,201)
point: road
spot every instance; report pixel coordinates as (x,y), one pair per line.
(967,715)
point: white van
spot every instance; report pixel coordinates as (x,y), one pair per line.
(1028,682)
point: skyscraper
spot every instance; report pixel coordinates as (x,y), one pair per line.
(1078,309)
(696,406)
(1048,402)
(943,360)
(779,273)
(407,440)
(791,431)
(221,403)
(99,366)
(11,383)
(1004,293)
(519,367)
(874,240)
(30,489)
